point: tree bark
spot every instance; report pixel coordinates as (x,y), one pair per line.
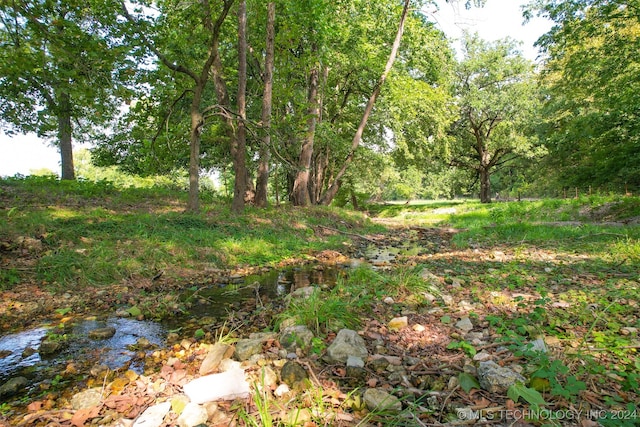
(238,144)
(485,185)
(263,165)
(300,194)
(193,202)
(64,136)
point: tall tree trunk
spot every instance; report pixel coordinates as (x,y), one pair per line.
(193,203)
(301,184)
(485,185)
(331,192)
(263,165)
(64,136)
(238,145)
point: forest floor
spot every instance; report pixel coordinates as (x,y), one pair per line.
(468,284)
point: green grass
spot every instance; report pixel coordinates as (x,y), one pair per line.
(95,233)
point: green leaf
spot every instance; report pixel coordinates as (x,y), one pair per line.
(532,396)
(63,311)
(468,382)
(134,311)
(199,334)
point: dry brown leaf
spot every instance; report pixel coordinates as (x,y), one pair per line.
(82,415)
(35,406)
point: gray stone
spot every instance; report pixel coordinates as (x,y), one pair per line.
(193,415)
(303,293)
(293,373)
(380,400)
(49,347)
(13,386)
(153,416)
(379,364)
(102,333)
(428,276)
(464,324)
(247,348)
(86,399)
(216,354)
(537,345)
(483,356)
(347,343)
(497,379)
(296,337)
(355,367)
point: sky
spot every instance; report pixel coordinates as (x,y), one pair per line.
(496,20)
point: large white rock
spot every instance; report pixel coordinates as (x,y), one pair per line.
(228,385)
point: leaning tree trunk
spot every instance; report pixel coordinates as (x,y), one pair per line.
(300,194)
(331,192)
(64,136)
(263,165)
(197,121)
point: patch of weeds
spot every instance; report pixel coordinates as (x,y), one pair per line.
(465,346)
(9,278)
(321,312)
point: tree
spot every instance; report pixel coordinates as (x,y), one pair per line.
(60,73)
(496,100)
(590,78)
(196,64)
(263,165)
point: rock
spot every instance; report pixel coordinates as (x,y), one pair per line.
(227,385)
(293,374)
(388,301)
(628,330)
(482,356)
(464,324)
(13,386)
(296,337)
(497,379)
(86,399)
(537,345)
(379,364)
(247,347)
(229,364)
(267,377)
(347,343)
(98,370)
(49,347)
(302,293)
(447,299)
(418,328)
(153,416)
(457,283)
(28,352)
(428,276)
(466,306)
(281,390)
(192,415)
(218,352)
(102,333)
(380,400)
(398,323)
(355,367)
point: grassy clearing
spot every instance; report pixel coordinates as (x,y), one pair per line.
(69,234)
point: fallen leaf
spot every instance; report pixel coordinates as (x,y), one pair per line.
(35,406)
(82,415)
